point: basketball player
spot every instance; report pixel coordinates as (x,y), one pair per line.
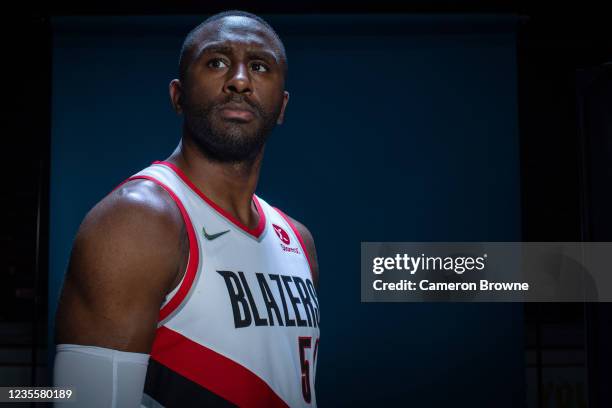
(182,282)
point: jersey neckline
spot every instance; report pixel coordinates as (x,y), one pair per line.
(255,232)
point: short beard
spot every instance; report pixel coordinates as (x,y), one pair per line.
(228,142)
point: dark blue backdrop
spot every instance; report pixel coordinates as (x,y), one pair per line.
(399,128)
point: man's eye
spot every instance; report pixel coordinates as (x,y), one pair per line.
(217,63)
(256,66)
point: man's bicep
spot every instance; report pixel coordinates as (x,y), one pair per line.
(97,309)
(120,269)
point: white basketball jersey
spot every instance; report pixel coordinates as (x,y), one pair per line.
(242,327)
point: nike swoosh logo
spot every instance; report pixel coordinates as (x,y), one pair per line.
(210,237)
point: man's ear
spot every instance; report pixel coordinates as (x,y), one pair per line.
(176,95)
(281,116)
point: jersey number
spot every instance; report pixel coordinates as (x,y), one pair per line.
(303,344)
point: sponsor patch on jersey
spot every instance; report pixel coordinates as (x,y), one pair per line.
(285,240)
(281,234)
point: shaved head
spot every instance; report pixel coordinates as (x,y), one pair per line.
(231,89)
(199,35)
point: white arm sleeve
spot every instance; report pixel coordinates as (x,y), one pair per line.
(100,377)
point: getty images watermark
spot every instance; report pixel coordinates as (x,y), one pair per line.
(486,272)
(456,264)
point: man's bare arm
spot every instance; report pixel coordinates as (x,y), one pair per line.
(123,263)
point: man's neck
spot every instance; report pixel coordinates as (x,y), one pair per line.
(229,185)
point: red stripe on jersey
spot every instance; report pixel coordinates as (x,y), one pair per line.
(212,370)
(256,232)
(299,237)
(194,253)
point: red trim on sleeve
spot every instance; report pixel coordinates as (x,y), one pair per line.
(256,232)
(213,371)
(299,237)
(194,253)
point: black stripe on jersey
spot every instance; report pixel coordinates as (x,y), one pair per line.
(171,389)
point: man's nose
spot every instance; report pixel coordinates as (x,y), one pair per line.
(239,80)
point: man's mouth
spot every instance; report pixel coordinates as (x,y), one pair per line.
(237,111)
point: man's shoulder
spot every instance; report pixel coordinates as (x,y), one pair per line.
(124,260)
(308,239)
(303,230)
(138,218)
(136,201)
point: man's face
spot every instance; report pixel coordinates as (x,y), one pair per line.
(233,91)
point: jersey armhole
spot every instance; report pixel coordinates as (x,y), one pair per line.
(299,237)
(177,295)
